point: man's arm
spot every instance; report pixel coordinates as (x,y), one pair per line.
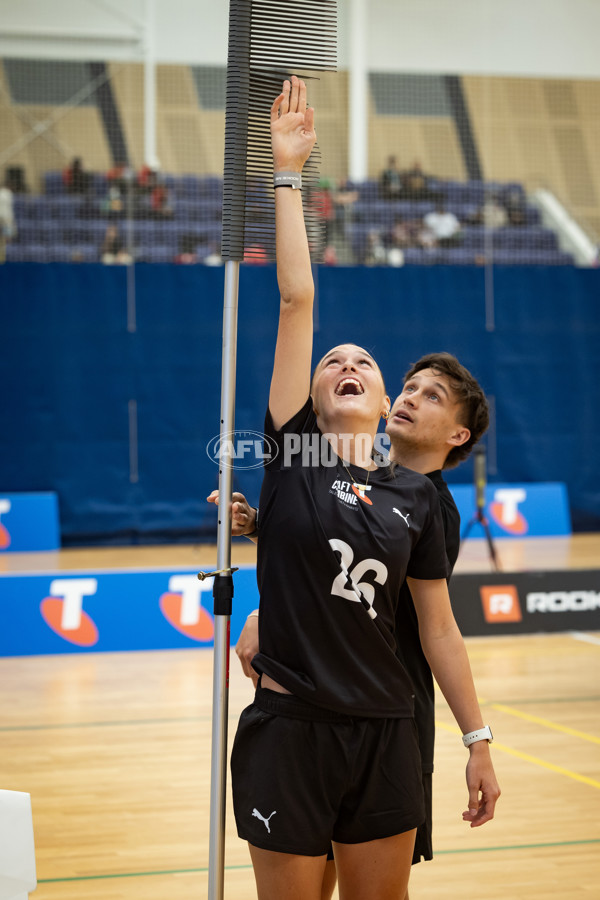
(247,646)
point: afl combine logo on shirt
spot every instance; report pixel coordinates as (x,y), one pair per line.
(350,493)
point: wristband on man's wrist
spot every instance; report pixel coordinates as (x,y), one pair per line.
(254,533)
(288,179)
(482,734)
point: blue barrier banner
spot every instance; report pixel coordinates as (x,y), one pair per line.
(159,609)
(29,522)
(516,510)
(63,612)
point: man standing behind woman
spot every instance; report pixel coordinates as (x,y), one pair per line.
(441,413)
(328,751)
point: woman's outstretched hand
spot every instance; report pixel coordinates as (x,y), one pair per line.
(292,127)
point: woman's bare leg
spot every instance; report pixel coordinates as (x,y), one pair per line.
(375,870)
(329,880)
(285,876)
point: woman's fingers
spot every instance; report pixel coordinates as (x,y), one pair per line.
(294,94)
(285,104)
(302,97)
(292,98)
(276,107)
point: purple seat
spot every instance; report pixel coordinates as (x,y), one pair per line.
(64,207)
(27,253)
(53,183)
(155,253)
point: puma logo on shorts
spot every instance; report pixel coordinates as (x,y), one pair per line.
(256,813)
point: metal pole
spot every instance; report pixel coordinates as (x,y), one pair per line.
(218,782)
(358,136)
(150,157)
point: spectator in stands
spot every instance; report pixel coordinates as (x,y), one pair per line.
(75,179)
(441,228)
(321,201)
(14,180)
(344,198)
(390,181)
(375,254)
(187,255)
(121,175)
(213,258)
(122,190)
(416,184)
(113,204)
(492,213)
(516,208)
(153,195)
(7,219)
(403,234)
(113,250)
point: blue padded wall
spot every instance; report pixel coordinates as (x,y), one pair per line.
(70,368)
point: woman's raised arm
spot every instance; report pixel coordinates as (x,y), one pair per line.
(292,137)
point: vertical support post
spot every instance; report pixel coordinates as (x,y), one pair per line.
(358,137)
(223,592)
(150,155)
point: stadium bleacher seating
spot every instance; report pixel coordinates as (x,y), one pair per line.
(58,226)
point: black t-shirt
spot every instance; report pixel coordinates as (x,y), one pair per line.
(331,561)
(407,630)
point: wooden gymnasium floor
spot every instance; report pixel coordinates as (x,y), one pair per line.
(115,751)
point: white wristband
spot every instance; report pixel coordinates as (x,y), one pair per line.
(482,734)
(252,614)
(288,179)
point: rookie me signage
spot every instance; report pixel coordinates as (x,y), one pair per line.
(526,602)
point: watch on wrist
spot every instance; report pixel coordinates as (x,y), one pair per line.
(482,734)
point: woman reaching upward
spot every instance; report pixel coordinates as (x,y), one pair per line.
(328,750)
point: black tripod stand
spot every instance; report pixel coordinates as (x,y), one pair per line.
(480,479)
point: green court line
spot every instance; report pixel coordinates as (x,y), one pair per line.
(136,874)
(109,724)
(204,869)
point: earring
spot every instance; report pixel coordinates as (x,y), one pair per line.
(385,414)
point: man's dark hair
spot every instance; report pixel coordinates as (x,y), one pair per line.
(469,393)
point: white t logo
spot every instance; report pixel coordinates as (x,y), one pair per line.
(509,499)
(190,589)
(72,590)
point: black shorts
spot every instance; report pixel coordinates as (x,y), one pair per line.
(303,777)
(423,845)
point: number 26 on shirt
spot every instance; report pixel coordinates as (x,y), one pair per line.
(348,583)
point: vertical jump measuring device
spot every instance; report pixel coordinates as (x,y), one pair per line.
(269,40)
